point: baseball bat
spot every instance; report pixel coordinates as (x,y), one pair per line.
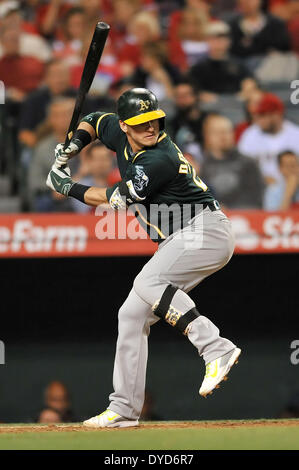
(90,67)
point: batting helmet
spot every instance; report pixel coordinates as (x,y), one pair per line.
(137,106)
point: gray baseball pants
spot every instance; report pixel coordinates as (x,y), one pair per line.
(184,259)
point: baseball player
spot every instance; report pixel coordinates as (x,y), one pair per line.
(195,242)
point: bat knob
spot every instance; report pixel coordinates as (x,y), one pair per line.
(101,25)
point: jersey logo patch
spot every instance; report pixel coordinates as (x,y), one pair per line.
(144,105)
(141,180)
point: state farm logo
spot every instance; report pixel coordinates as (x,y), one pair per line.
(276,232)
(246,238)
(24,235)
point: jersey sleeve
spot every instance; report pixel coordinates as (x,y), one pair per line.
(106,127)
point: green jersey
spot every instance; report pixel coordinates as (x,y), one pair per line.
(159,179)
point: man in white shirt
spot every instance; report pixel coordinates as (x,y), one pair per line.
(285,193)
(270,135)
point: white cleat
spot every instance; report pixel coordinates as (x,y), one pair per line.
(109,419)
(217,370)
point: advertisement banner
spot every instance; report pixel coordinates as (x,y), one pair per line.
(119,234)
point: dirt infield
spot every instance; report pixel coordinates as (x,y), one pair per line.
(31,428)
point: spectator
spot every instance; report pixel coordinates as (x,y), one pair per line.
(188,29)
(144,28)
(268,136)
(289,12)
(234,178)
(28,12)
(93,11)
(43,199)
(33,113)
(48,16)
(285,193)
(155,72)
(31,45)
(186,125)
(123,13)
(218,73)
(95,168)
(255,33)
(249,107)
(21,74)
(108,72)
(57,405)
(74,30)
(191,46)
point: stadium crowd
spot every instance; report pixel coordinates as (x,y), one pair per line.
(223,70)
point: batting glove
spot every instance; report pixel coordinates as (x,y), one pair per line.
(60,180)
(62,155)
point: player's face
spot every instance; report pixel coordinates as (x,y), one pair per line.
(142,135)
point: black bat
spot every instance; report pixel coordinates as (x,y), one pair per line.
(90,67)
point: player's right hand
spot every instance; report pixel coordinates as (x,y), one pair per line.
(62,155)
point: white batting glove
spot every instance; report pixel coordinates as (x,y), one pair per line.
(63,155)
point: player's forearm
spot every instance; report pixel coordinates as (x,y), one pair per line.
(89,195)
(92,196)
(95,196)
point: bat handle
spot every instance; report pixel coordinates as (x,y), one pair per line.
(68,139)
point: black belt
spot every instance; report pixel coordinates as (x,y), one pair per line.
(213,205)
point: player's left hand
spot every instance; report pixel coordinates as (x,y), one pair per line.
(60,180)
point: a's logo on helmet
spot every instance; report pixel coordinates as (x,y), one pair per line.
(144,105)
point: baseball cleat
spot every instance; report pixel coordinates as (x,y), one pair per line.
(109,419)
(217,370)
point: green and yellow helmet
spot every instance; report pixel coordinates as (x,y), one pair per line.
(139,105)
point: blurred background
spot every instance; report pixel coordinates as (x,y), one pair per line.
(227,74)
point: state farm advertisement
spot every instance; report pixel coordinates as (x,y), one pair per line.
(112,234)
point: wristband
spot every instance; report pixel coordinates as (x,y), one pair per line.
(82,136)
(78,190)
